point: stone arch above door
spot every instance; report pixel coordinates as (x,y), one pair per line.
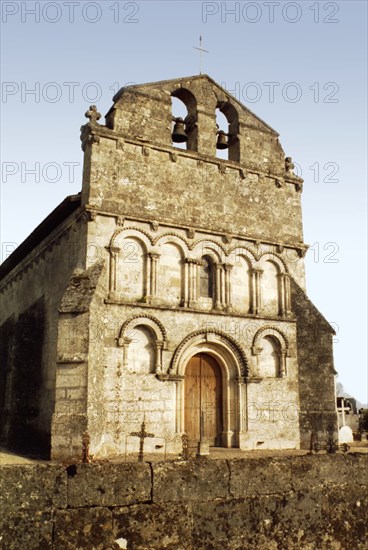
(221,344)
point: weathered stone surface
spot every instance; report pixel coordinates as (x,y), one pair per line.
(109,484)
(323,470)
(259,476)
(83,528)
(191,507)
(28,530)
(32,487)
(221,524)
(191,480)
(347,507)
(155,526)
(80,290)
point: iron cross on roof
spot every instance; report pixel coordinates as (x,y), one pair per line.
(201,50)
(142,435)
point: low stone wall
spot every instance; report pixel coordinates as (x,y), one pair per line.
(294,502)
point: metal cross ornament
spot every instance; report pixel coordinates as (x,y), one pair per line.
(201,50)
(142,435)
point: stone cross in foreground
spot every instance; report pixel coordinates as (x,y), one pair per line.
(142,435)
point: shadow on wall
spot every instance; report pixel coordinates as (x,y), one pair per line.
(21,382)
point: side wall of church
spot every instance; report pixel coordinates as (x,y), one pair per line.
(30,298)
(318,415)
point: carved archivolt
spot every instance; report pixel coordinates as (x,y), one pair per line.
(156,328)
(276,259)
(275,332)
(125,232)
(242,251)
(171,237)
(218,339)
(283,341)
(218,246)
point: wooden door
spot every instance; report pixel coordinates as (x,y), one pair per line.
(203,400)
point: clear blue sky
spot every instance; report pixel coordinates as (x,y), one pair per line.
(301,66)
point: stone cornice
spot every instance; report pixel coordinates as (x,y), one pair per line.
(290,318)
(98,131)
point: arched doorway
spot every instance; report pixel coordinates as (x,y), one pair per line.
(203,400)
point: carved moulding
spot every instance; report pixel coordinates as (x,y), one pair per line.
(126,230)
(157,329)
(281,338)
(273,256)
(270,330)
(175,234)
(219,339)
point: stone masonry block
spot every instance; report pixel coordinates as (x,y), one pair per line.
(259,476)
(30,529)
(191,480)
(32,487)
(82,529)
(154,526)
(108,484)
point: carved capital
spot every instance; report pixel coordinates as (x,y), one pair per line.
(123,342)
(256,350)
(91,215)
(302,251)
(113,249)
(299,187)
(154,226)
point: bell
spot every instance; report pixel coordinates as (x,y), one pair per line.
(179,135)
(222,140)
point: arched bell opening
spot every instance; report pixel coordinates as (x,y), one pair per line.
(222,145)
(227,121)
(184,120)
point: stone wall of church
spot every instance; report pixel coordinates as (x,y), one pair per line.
(314,338)
(30,297)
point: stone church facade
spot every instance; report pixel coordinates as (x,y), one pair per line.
(171,290)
